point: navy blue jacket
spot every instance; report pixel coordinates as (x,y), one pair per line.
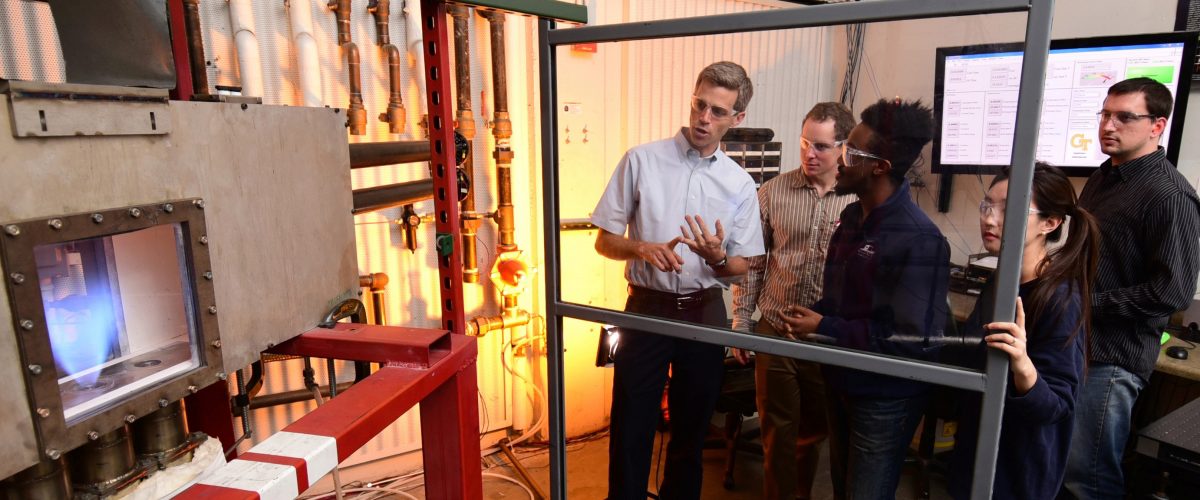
(885,291)
(1035,433)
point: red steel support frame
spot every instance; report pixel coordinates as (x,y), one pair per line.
(179,48)
(442,162)
(431,367)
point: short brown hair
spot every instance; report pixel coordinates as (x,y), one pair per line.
(1158,97)
(732,76)
(843,118)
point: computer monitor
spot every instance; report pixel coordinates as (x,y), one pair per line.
(976,87)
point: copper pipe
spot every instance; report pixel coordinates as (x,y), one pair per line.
(482,325)
(391,195)
(195,41)
(374,281)
(380,9)
(374,154)
(296,396)
(465,125)
(395,115)
(356,116)
(341,9)
(502,130)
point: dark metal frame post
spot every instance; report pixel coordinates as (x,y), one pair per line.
(548,68)
(991,382)
(1012,242)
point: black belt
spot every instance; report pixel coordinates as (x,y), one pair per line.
(680,301)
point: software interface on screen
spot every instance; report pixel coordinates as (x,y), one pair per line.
(980,101)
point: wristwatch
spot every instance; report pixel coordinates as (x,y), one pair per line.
(720,263)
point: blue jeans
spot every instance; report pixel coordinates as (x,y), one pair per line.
(868,440)
(1102,419)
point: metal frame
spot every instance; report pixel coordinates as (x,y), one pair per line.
(432,367)
(992,382)
(29,318)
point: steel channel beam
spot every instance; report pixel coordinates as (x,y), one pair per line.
(545,9)
(923,371)
(775,19)
(1012,242)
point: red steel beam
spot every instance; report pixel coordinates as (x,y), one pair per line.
(179,49)
(438,73)
(293,459)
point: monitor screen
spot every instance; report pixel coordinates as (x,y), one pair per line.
(976,98)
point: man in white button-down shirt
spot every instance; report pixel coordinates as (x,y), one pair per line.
(679,190)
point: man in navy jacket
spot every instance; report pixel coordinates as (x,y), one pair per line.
(886,279)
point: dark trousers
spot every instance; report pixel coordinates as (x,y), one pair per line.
(640,372)
(792,411)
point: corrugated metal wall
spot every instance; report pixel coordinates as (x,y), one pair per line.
(791,70)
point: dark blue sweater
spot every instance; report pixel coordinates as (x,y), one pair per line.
(884,291)
(1036,428)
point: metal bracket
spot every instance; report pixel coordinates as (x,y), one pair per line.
(67,110)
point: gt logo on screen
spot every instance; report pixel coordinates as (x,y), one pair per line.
(1080,141)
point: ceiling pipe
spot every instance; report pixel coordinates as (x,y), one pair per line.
(465,125)
(392,195)
(375,154)
(395,115)
(241,18)
(308,60)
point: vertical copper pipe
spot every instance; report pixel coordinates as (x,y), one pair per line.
(465,125)
(357,114)
(502,130)
(380,9)
(195,39)
(395,115)
(341,9)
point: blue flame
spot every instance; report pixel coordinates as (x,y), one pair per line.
(82,333)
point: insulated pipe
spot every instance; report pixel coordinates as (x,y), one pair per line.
(356,115)
(241,18)
(502,130)
(375,154)
(413,32)
(195,41)
(391,195)
(308,60)
(466,126)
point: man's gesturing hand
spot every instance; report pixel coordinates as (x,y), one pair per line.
(696,236)
(661,255)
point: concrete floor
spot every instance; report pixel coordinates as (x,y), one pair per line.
(587,469)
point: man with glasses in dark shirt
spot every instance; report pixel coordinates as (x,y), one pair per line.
(885,284)
(1150,236)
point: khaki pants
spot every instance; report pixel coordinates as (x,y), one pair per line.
(792,407)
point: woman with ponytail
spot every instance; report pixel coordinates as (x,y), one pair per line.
(1046,347)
